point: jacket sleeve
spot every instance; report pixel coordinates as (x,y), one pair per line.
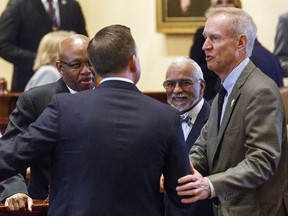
(11,186)
(10,26)
(281,43)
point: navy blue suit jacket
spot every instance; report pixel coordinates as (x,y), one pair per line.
(29,106)
(22,26)
(109,147)
(202,207)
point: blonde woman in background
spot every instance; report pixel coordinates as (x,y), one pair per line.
(45,61)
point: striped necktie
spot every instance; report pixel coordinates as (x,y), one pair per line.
(52,15)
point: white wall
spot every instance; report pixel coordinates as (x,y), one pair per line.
(156,50)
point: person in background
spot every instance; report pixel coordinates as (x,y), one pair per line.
(185,86)
(261,57)
(23,24)
(46,57)
(240,158)
(281,42)
(108,146)
(76,75)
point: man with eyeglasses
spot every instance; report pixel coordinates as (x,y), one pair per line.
(185,85)
(77,75)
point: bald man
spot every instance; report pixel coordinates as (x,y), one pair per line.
(76,75)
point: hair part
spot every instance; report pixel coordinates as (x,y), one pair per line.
(111,49)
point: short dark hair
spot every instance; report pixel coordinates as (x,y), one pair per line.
(110,49)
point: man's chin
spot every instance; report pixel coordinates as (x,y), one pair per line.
(178,107)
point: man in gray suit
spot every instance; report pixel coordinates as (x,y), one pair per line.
(243,154)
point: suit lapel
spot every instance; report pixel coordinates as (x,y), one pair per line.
(63,4)
(61,86)
(199,122)
(42,12)
(231,103)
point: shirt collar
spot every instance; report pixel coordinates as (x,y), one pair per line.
(231,79)
(195,111)
(116,78)
(71,90)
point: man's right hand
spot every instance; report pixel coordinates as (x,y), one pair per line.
(18,202)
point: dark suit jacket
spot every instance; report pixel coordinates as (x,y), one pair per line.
(246,161)
(202,207)
(109,147)
(28,108)
(22,26)
(261,57)
(267,62)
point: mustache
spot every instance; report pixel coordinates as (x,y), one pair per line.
(176,96)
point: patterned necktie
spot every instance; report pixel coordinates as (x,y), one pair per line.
(52,15)
(186,118)
(221,97)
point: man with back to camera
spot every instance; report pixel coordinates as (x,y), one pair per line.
(242,149)
(108,158)
(76,75)
(22,25)
(185,86)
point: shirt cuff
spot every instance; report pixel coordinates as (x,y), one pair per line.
(213,193)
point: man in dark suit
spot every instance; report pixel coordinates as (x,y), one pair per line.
(242,149)
(281,42)
(30,105)
(24,23)
(108,146)
(185,86)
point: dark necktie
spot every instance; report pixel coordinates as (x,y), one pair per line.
(52,15)
(221,97)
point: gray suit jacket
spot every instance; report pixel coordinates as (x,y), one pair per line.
(28,108)
(247,160)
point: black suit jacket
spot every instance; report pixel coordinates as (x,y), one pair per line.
(202,207)
(23,24)
(109,147)
(28,108)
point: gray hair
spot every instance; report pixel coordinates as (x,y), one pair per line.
(185,60)
(240,23)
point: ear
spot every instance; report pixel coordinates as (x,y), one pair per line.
(202,86)
(242,41)
(59,67)
(133,64)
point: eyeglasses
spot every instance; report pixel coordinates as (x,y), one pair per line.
(77,65)
(183,83)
